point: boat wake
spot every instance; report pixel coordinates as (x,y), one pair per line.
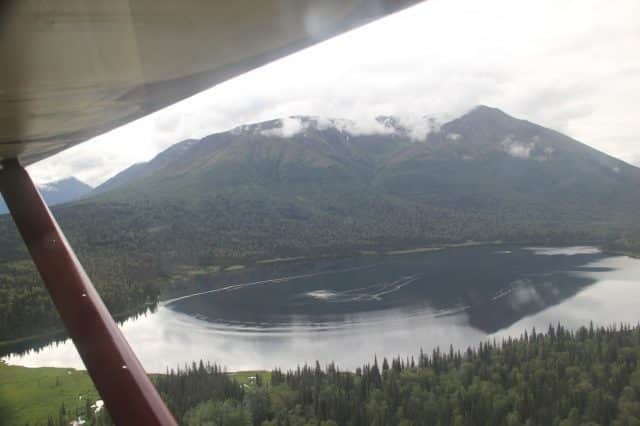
(374,292)
(236,287)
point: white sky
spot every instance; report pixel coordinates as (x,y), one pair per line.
(573,65)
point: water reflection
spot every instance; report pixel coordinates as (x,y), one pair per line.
(347,311)
(494,287)
(45,341)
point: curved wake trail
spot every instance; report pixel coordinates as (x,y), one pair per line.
(234,287)
(369,293)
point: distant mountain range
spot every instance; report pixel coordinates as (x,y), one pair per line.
(58,192)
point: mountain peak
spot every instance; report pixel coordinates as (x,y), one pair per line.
(59,192)
(487,108)
(485,111)
(65,182)
(492,120)
(71,183)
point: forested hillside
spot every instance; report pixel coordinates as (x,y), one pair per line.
(309,187)
(587,377)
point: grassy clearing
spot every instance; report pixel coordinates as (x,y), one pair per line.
(31,395)
(247,377)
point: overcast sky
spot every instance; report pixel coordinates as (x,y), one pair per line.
(573,65)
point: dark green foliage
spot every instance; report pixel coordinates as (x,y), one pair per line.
(185,388)
(628,244)
(215,413)
(591,376)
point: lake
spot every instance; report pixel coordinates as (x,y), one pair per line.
(349,310)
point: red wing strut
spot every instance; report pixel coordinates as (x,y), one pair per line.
(118,375)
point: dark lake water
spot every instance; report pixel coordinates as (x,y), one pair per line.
(350,310)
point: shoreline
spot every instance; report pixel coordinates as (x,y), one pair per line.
(123,316)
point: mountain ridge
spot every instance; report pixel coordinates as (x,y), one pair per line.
(58,192)
(393,137)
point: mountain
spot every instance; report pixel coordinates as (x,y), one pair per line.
(58,192)
(303,185)
(480,159)
(306,186)
(311,186)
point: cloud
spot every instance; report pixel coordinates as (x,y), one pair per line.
(523,294)
(517,149)
(362,126)
(289,127)
(573,66)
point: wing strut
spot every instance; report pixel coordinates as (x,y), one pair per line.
(118,375)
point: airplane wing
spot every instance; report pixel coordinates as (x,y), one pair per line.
(73,69)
